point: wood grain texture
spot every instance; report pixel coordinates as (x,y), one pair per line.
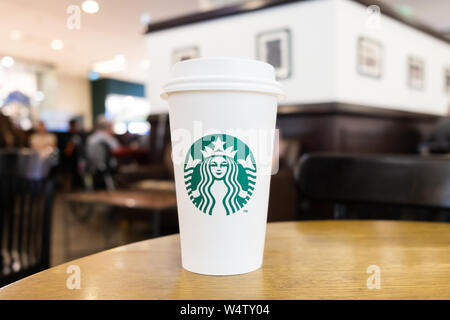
(303,260)
(154,200)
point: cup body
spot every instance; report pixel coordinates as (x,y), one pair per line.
(222,145)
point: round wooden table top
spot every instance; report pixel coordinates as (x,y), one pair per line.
(303,260)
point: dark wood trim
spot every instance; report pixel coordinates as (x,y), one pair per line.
(334,108)
(240,8)
(265,4)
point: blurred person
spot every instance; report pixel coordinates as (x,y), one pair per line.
(74,156)
(6,134)
(100,147)
(439,139)
(11,137)
(42,141)
(103,134)
(45,144)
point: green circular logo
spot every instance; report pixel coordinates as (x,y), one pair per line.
(219,174)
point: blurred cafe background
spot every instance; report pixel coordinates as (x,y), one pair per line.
(85,151)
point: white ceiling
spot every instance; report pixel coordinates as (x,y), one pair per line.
(116,29)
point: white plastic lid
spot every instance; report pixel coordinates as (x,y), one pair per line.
(222,74)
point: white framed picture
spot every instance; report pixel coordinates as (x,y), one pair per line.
(416,73)
(274,47)
(185,53)
(370,57)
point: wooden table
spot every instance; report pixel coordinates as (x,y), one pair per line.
(150,199)
(153,184)
(154,201)
(303,260)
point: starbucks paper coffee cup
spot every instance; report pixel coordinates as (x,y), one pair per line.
(222,120)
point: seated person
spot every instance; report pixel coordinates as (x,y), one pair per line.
(43,142)
(100,147)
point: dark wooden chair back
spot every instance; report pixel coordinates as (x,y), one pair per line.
(25,214)
(159,137)
(413,181)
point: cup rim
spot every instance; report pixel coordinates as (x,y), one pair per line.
(221,82)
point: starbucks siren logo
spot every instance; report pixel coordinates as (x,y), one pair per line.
(219,174)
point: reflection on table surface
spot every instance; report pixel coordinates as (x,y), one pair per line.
(303,260)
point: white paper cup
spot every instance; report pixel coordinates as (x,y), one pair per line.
(222,120)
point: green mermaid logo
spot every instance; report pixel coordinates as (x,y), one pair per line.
(219,174)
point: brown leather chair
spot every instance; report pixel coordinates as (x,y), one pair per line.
(415,182)
(283,196)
